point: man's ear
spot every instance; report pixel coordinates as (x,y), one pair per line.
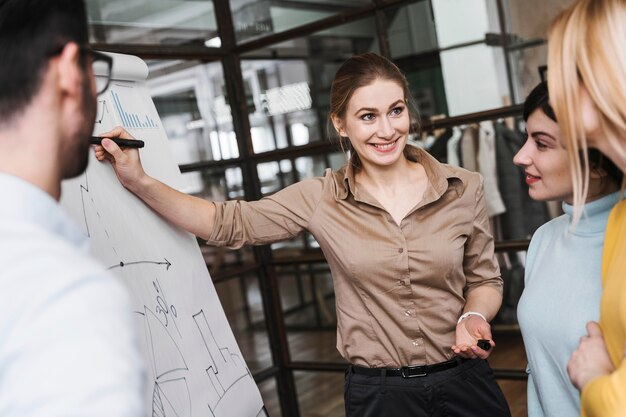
(338,124)
(69,71)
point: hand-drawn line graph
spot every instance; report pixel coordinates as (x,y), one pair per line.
(226,369)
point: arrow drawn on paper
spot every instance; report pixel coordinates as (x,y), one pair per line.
(123,264)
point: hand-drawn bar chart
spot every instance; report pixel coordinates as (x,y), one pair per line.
(130,120)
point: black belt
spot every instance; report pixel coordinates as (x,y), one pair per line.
(409,371)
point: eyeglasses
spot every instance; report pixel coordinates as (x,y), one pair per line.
(543,73)
(101,64)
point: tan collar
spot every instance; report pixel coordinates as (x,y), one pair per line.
(440,176)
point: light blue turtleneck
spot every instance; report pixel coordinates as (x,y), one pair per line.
(563,286)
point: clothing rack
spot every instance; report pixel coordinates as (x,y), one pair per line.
(506,111)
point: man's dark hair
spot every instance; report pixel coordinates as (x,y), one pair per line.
(31,31)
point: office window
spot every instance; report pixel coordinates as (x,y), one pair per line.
(256,18)
(164,22)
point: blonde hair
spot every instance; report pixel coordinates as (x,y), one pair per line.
(587,49)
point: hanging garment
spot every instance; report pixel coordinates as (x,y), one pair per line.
(487,167)
(453,147)
(439,149)
(469,149)
(523,215)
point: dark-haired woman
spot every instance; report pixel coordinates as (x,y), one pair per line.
(407,241)
(563,284)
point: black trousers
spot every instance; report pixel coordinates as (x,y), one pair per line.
(468,390)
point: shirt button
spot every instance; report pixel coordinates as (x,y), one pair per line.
(407,313)
(400,250)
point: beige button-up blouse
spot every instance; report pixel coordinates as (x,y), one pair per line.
(399,288)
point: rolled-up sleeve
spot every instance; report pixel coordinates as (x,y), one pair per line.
(480,264)
(281,216)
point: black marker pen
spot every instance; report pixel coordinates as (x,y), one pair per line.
(122,143)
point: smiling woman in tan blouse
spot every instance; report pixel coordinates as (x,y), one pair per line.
(407,240)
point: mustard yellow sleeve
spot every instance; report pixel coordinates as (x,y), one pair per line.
(605,396)
(611,240)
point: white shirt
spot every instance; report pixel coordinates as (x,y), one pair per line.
(67,341)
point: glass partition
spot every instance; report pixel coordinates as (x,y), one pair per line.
(314,166)
(215,184)
(525,68)
(275,176)
(528,32)
(191,101)
(411,29)
(165,22)
(459,22)
(281,112)
(255,18)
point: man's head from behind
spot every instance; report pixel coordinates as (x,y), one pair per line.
(32,34)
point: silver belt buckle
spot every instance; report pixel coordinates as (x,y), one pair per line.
(414,371)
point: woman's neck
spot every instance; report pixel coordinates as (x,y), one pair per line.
(598,188)
(386,177)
